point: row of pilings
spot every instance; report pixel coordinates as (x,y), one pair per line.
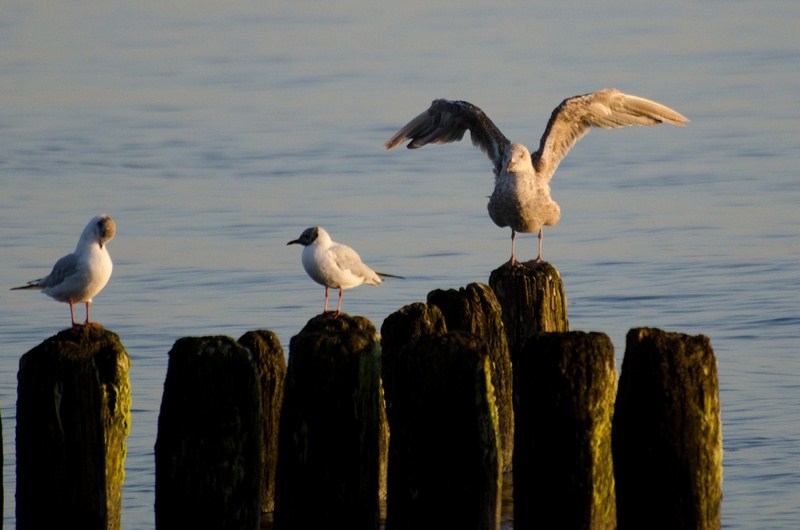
(425,419)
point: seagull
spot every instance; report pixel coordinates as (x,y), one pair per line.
(521,198)
(79,276)
(334,265)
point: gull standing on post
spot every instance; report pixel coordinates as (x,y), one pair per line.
(334,265)
(521,197)
(79,276)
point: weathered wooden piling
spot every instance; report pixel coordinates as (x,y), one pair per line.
(667,434)
(476,310)
(73,416)
(532,299)
(563,472)
(330,427)
(402,327)
(271,364)
(444,450)
(405,325)
(209,443)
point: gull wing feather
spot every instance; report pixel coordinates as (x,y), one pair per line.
(446,121)
(63,268)
(348,259)
(608,109)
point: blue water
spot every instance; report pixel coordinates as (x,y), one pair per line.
(216,132)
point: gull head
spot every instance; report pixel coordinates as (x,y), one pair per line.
(308,236)
(100,230)
(518,158)
(106,229)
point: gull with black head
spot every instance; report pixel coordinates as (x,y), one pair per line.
(334,265)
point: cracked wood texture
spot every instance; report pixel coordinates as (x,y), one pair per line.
(475,309)
(532,299)
(564,389)
(209,444)
(667,434)
(331,427)
(444,449)
(73,417)
(268,353)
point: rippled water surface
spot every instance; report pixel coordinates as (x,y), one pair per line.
(216,132)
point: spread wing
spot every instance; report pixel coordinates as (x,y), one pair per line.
(608,109)
(446,121)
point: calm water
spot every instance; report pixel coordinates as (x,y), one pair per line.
(216,132)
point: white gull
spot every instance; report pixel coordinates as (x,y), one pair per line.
(521,197)
(334,265)
(79,276)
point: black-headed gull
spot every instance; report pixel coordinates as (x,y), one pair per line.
(79,276)
(334,265)
(521,197)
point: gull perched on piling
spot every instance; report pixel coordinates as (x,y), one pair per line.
(79,276)
(334,265)
(521,197)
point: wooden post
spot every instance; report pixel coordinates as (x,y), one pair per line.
(667,436)
(563,472)
(73,416)
(444,450)
(402,327)
(475,309)
(209,443)
(329,441)
(532,299)
(268,354)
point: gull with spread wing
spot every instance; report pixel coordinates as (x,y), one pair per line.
(521,198)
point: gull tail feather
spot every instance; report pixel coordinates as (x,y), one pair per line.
(31,285)
(386,275)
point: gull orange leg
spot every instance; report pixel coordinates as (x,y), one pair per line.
(325,309)
(513,260)
(538,261)
(339,305)
(72,312)
(88,323)
(541,237)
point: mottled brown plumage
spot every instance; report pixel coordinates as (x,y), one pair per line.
(521,197)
